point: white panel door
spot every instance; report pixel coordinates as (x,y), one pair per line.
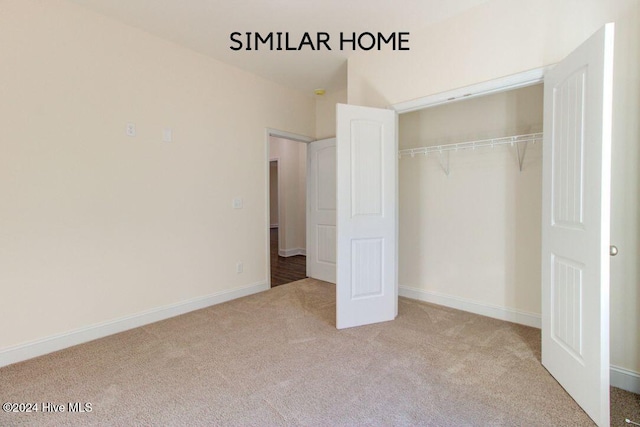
(321,210)
(575,223)
(367,156)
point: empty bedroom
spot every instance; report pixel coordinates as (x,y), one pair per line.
(282,213)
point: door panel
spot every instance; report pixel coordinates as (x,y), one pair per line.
(321,210)
(367,216)
(575,223)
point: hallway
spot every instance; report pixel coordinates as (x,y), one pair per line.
(285,269)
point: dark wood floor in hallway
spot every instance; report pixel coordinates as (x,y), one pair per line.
(285,269)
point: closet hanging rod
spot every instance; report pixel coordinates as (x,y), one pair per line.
(472,145)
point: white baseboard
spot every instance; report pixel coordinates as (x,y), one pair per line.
(619,377)
(68,339)
(625,379)
(292,252)
(502,313)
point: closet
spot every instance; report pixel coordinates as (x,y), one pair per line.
(470,175)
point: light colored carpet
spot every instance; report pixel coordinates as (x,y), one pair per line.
(275,358)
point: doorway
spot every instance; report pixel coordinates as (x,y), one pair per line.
(287,207)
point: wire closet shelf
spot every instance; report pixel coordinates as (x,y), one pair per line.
(444,150)
(472,145)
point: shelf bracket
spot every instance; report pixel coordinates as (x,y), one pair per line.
(443,159)
(521,153)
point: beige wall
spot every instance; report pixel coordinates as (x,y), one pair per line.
(503,37)
(273,193)
(497,38)
(302,196)
(96,225)
(492,116)
(326,113)
(292,193)
(474,234)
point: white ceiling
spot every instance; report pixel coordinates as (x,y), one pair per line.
(205,26)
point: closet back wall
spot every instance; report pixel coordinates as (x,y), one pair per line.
(472,239)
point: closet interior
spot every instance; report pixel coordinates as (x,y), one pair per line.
(470,178)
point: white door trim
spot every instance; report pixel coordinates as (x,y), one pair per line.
(501,84)
(269,132)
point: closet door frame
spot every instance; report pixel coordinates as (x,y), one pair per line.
(503,84)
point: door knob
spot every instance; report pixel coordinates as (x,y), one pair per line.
(613,251)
